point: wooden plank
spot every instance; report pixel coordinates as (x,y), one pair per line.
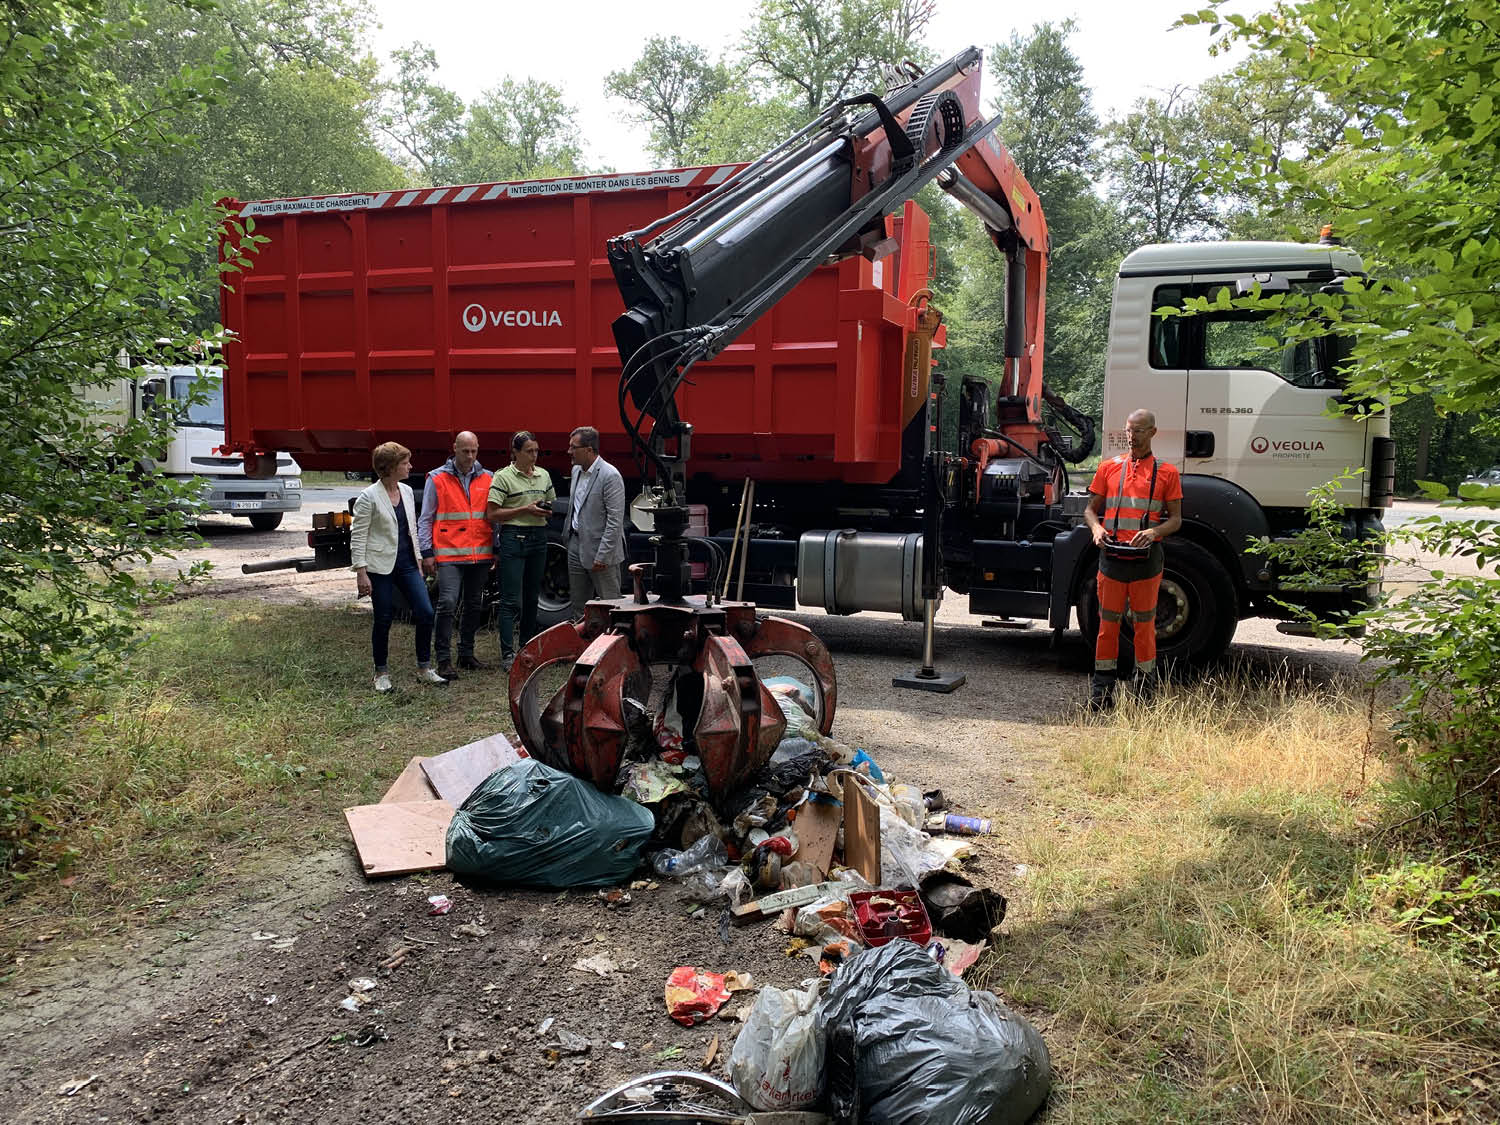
(411,785)
(455,775)
(861,832)
(398,839)
(817,827)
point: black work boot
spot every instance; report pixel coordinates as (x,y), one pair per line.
(1102,692)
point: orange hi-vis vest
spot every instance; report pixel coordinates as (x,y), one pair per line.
(460,533)
(1134,497)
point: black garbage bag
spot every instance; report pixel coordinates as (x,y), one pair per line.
(908,1041)
(533,825)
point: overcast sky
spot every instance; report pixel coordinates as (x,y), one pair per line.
(1125,46)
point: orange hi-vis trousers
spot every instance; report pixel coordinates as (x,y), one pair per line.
(1114,597)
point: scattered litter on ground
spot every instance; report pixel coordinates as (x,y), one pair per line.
(597,964)
(956,825)
(68,1089)
(712,1053)
(439,904)
(470,929)
(614,897)
(571,1044)
(694,995)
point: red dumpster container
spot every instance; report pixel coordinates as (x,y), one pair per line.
(409,315)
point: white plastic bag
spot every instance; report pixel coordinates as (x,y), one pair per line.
(777,1061)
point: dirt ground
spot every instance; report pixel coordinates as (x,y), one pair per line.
(213,1021)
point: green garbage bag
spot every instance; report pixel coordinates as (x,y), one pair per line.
(532,825)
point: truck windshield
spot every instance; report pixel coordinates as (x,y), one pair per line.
(208,410)
(1236,339)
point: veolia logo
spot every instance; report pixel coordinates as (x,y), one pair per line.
(1283,445)
(476,317)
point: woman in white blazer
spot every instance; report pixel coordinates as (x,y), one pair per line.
(383,550)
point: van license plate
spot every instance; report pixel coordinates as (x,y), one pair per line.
(244,505)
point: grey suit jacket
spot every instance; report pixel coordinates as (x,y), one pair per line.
(601,518)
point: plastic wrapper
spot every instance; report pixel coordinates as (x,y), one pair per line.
(909,804)
(906,1040)
(708,854)
(827,919)
(694,995)
(777,1061)
(796,689)
(535,826)
(906,853)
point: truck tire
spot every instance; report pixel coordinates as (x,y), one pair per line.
(266,521)
(1196,610)
(556,603)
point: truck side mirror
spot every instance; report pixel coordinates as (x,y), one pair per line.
(1268,282)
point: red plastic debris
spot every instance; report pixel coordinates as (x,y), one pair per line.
(694,996)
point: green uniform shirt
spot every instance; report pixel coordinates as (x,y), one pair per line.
(510,489)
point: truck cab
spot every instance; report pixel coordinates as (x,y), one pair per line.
(1251,419)
(195,394)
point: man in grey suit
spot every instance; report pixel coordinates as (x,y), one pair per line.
(596,522)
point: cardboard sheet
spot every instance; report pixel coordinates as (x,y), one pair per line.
(817,827)
(457,773)
(400,838)
(862,832)
(411,785)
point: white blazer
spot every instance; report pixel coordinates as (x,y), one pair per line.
(373,536)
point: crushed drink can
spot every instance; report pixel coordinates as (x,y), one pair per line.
(957,825)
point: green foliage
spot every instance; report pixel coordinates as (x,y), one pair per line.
(1412,183)
(516,130)
(1154,158)
(1442,904)
(813,52)
(1049,126)
(669,87)
(85,271)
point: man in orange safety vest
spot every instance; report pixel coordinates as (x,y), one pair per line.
(458,545)
(1135,502)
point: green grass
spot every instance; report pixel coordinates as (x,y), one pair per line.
(1199,929)
(240,730)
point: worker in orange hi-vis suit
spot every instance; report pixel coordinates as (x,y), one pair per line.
(1135,502)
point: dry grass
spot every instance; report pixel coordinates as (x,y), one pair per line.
(241,732)
(1193,925)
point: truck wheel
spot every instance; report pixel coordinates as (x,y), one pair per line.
(266,521)
(556,603)
(1196,610)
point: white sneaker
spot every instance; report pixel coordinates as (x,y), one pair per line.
(383,684)
(429,676)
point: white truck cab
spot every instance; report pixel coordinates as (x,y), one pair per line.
(194,448)
(1252,428)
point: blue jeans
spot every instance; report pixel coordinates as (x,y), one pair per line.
(383,599)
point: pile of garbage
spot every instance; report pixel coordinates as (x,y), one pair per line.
(858,872)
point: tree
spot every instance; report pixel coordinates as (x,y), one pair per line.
(814,52)
(292,115)
(515,131)
(1048,124)
(421,118)
(86,271)
(670,87)
(1156,158)
(1414,185)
